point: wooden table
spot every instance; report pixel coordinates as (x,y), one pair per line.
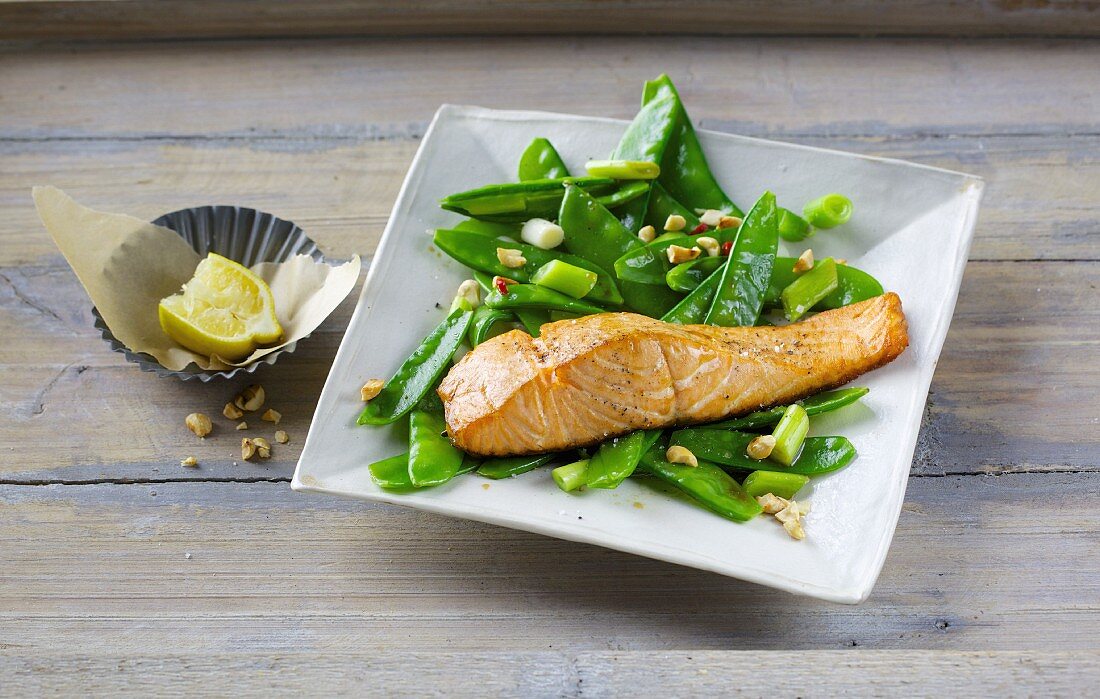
(121,570)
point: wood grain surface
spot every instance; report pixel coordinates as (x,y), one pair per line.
(127,19)
(121,570)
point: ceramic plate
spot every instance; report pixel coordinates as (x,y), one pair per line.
(911,229)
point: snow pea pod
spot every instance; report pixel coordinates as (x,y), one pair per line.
(420,373)
(853,285)
(514,202)
(617,458)
(662,205)
(625,195)
(540,161)
(533,296)
(684,170)
(532,319)
(488,323)
(433,460)
(824,402)
(491,229)
(593,232)
(706,483)
(740,295)
(393,473)
(649,263)
(727,448)
(688,275)
(693,308)
(512,466)
(479,252)
(646,138)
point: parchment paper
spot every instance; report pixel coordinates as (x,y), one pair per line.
(128,265)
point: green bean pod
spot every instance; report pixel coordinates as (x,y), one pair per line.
(540,161)
(706,484)
(727,448)
(686,276)
(392,473)
(617,458)
(823,402)
(479,252)
(515,202)
(740,295)
(420,373)
(497,469)
(433,460)
(693,308)
(532,296)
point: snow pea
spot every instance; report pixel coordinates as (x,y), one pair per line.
(479,252)
(646,138)
(593,232)
(649,263)
(514,202)
(662,205)
(488,323)
(534,296)
(693,308)
(727,448)
(625,195)
(420,373)
(491,229)
(688,275)
(393,473)
(684,170)
(512,466)
(823,402)
(745,276)
(433,460)
(706,483)
(541,162)
(617,458)
(532,319)
(853,285)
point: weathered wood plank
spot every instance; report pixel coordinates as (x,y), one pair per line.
(550,674)
(128,19)
(1016,387)
(1039,200)
(273,571)
(388,87)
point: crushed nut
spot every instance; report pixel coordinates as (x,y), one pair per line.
(511,258)
(199,424)
(729,222)
(711,217)
(711,245)
(787,512)
(647,234)
(371,389)
(263,447)
(190,461)
(841,261)
(271,415)
(281,436)
(761,447)
(805,262)
(771,503)
(251,398)
(242,425)
(681,455)
(232,412)
(678,253)
(470,292)
(675,222)
(248,449)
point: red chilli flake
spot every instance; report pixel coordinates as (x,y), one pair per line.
(701,228)
(502,286)
(727,247)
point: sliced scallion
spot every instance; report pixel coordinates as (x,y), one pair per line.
(571,476)
(789,434)
(568,279)
(803,293)
(828,211)
(623,169)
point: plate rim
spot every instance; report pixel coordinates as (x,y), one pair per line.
(848,594)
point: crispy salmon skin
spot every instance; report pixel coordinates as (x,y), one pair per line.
(585,380)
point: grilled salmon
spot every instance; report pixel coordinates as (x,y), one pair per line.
(585,380)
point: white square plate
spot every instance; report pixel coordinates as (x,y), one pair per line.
(911,229)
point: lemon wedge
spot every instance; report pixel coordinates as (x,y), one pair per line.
(226,310)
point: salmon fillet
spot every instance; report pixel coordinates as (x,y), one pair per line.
(586,380)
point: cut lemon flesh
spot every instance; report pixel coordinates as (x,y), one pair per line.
(225,310)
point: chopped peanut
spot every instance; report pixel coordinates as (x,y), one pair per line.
(248,449)
(677,254)
(681,455)
(761,447)
(675,222)
(805,262)
(771,503)
(242,425)
(281,436)
(190,462)
(711,217)
(841,261)
(251,398)
(232,412)
(199,424)
(510,258)
(789,513)
(711,245)
(371,389)
(263,447)
(729,222)
(271,415)
(647,234)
